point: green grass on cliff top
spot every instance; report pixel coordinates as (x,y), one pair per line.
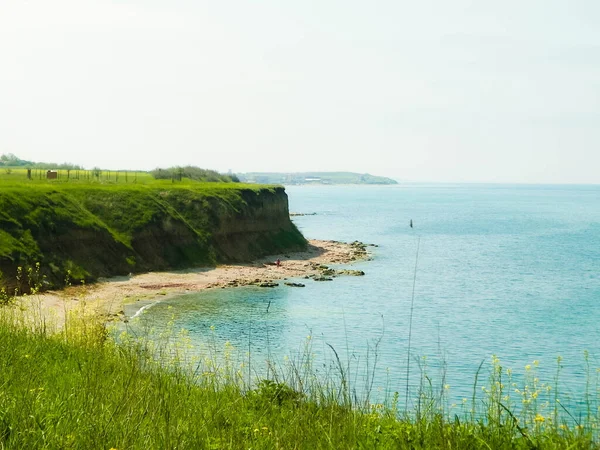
(18,194)
(137,193)
(17,177)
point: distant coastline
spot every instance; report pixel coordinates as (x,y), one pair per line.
(319,178)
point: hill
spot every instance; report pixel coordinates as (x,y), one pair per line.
(313,178)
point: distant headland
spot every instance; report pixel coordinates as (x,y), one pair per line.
(313,178)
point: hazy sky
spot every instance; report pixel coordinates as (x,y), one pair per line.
(499,91)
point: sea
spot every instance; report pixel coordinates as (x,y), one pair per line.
(486,271)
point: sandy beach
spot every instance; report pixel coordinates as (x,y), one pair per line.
(108,296)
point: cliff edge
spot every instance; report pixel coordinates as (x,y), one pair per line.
(91,231)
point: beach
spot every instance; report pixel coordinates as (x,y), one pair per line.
(107,297)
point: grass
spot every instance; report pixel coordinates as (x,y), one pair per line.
(18,177)
(84,387)
(38,176)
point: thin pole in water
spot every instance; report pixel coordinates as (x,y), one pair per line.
(412,304)
(249,357)
(268,342)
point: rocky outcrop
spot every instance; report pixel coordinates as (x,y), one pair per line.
(326,273)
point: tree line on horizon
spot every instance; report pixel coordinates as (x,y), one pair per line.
(193,173)
(9,160)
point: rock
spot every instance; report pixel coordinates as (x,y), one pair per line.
(268,284)
(322,278)
(354,273)
(359,247)
(294,284)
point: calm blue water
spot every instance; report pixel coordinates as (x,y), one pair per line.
(512,271)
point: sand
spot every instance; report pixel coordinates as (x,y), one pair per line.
(108,297)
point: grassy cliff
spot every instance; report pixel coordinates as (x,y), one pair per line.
(93,230)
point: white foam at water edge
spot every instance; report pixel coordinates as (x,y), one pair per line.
(144,308)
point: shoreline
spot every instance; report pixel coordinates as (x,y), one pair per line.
(108,297)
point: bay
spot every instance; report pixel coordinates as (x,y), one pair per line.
(506,270)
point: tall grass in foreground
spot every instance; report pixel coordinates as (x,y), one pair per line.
(80,387)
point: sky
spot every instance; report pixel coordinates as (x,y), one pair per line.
(448,91)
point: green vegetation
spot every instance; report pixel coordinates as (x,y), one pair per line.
(11,175)
(94,228)
(8,161)
(193,173)
(85,387)
(12,168)
(314,178)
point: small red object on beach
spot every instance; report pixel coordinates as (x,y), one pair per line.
(278,263)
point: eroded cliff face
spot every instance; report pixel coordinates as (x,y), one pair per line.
(261,226)
(89,233)
(255,224)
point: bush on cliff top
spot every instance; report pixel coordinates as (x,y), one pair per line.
(193,173)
